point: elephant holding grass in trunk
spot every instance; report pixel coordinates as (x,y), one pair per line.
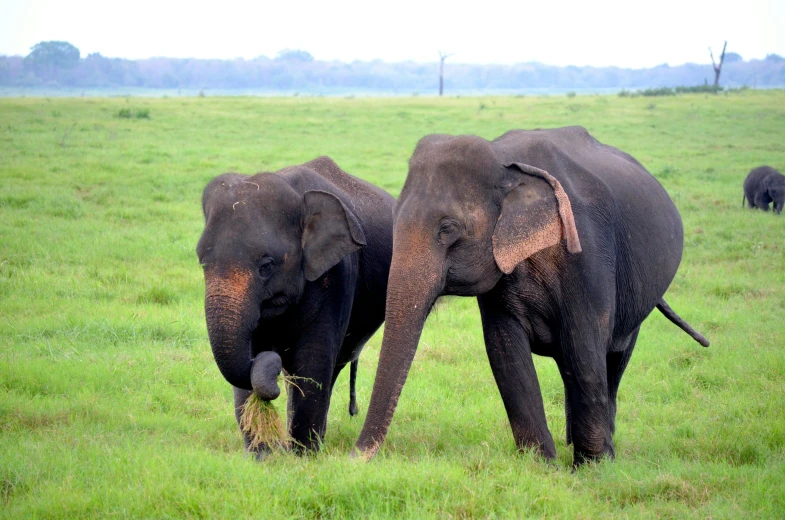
(568,245)
(295,265)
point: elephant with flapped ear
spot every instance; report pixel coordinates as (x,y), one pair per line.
(295,266)
(762,186)
(568,245)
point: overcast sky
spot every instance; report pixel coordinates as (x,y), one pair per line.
(625,33)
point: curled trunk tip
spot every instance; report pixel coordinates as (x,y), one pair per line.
(264,375)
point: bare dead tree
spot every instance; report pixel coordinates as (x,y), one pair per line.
(442,57)
(718,68)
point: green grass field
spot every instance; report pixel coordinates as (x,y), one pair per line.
(111,404)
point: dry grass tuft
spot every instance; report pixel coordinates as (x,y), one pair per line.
(262,423)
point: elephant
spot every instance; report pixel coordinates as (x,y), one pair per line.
(567,244)
(764,184)
(295,266)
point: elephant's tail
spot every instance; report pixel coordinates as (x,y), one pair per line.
(743,196)
(679,322)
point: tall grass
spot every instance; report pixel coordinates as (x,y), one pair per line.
(111,404)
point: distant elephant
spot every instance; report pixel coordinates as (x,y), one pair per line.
(296,264)
(568,245)
(764,184)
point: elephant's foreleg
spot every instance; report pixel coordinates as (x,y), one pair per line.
(308,406)
(511,361)
(240,396)
(309,394)
(762,201)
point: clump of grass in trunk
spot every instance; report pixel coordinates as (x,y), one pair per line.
(262,423)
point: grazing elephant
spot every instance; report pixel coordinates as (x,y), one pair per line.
(295,267)
(568,245)
(764,184)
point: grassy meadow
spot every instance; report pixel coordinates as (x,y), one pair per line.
(111,404)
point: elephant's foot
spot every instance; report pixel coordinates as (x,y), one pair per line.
(542,443)
(545,451)
(583,456)
(261,452)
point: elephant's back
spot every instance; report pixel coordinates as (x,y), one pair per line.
(601,178)
(364,195)
(370,204)
(576,158)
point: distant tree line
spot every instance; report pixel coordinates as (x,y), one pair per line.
(58,64)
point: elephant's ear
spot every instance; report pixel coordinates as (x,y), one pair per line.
(330,232)
(536,213)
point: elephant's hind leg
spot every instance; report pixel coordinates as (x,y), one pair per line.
(615,362)
(586,388)
(567,411)
(352,390)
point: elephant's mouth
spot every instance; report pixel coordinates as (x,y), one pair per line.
(275,306)
(279,300)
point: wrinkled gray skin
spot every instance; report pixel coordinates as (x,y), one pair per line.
(763,185)
(568,245)
(295,265)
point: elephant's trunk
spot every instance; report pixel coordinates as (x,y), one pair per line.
(264,375)
(231,318)
(414,284)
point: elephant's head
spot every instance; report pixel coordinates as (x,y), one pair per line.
(775,188)
(464,219)
(262,242)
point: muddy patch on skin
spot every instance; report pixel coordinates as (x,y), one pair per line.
(233,284)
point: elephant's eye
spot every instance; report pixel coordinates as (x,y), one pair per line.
(448,231)
(266,268)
